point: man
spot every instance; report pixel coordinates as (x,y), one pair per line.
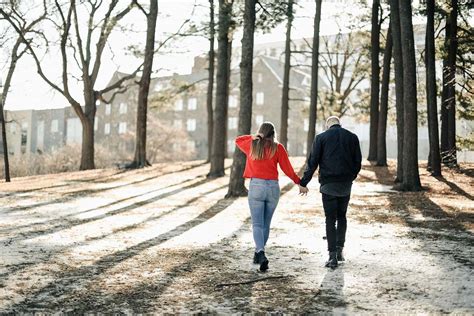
(337,153)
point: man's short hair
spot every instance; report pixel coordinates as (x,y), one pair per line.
(332,120)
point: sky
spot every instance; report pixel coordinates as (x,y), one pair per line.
(29,91)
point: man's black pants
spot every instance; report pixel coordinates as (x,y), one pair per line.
(335,209)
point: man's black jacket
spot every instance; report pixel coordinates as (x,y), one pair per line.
(337,152)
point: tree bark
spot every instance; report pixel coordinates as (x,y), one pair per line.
(3,97)
(87,149)
(229,60)
(411,178)
(398,67)
(431,94)
(210,84)
(236,182)
(374,80)
(448,101)
(285,95)
(382,123)
(222,88)
(314,79)
(6,163)
(140,159)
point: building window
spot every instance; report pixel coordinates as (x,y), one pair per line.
(191,125)
(122,127)
(306,125)
(273,52)
(178,124)
(192,104)
(96,123)
(108,109)
(232,123)
(40,135)
(13,128)
(259,119)
(232,101)
(74,131)
(123,108)
(176,147)
(107,128)
(54,126)
(178,105)
(191,145)
(24,134)
(259,77)
(260,98)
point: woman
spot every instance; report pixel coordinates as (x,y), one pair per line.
(263,154)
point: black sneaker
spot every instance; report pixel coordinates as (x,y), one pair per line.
(262,261)
(255,258)
(332,262)
(339,255)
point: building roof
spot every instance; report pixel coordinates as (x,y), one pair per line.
(299,78)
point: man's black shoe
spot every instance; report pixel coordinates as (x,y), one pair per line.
(255,258)
(339,255)
(262,261)
(332,262)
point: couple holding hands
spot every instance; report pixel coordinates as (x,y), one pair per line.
(337,153)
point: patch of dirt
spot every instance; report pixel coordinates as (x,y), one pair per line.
(164,240)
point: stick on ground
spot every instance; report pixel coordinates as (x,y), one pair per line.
(253,280)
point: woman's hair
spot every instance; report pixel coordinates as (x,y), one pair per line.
(264,147)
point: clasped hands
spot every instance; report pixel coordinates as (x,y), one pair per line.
(303,190)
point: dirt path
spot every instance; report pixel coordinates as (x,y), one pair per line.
(163,239)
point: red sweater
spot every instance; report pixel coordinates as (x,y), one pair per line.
(266,168)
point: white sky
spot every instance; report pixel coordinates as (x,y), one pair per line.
(29,91)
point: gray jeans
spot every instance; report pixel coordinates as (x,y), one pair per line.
(263,200)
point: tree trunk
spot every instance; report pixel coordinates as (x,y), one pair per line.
(434,155)
(374,80)
(236,182)
(411,178)
(210,84)
(6,163)
(398,67)
(382,127)
(222,88)
(140,160)
(285,95)
(314,80)
(3,98)
(87,150)
(448,102)
(229,59)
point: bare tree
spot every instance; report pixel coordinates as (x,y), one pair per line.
(313,101)
(411,178)
(236,182)
(210,84)
(140,159)
(345,65)
(434,160)
(382,127)
(27,28)
(74,43)
(222,90)
(285,95)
